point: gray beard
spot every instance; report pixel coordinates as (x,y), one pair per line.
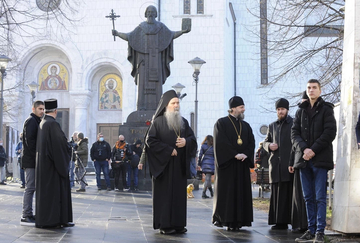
(174,120)
(241,116)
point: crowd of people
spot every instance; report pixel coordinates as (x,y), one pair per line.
(297,152)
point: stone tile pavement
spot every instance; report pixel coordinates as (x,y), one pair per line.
(102,216)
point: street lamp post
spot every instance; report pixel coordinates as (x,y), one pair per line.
(178,88)
(196,63)
(3,65)
(32,86)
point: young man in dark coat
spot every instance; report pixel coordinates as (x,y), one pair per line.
(278,144)
(30,132)
(170,143)
(312,134)
(234,146)
(53,193)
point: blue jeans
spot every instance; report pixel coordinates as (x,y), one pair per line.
(104,166)
(71,173)
(132,171)
(313,180)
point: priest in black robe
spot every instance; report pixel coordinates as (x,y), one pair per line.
(53,193)
(278,144)
(169,144)
(234,146)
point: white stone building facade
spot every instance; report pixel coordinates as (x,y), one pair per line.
(89,53)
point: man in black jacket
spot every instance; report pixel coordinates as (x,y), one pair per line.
(30,131)
(278,144)
(100,153)
(312,134)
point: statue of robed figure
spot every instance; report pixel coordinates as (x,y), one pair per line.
(150,52)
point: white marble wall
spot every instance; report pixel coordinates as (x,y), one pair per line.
(90,51)
(346,206)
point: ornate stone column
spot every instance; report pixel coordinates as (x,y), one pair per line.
(346,207)
(81,101)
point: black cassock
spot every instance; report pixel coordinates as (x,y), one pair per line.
(233,196)
(169,173)
(53,195)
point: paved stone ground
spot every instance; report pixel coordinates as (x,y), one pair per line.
(102,216)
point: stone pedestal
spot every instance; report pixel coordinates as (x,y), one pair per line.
(135,128)
(346,206)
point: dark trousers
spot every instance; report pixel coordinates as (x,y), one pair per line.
(119,169)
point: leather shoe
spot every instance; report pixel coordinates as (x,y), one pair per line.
(233,229)
(217,224)
(69,224)
(167,231)
(279,227)
(181,230)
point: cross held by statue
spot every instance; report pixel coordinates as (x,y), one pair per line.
(112,16)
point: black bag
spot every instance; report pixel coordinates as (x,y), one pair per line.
(199,175)
(135,161)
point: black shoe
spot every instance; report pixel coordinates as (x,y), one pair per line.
(27,221)
(69,224)
(181,230)
(167,231)
(232,228)
(319,237)
(204,196)
(108,189)
(2,183)
(211,192)
(279,227)
(22,186)
(306,237)
(136,189)
(217,224)
(80,190)
(99,188)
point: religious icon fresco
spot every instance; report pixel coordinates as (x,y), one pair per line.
(53,76)
(110,92)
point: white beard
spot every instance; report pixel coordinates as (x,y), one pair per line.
(174,120)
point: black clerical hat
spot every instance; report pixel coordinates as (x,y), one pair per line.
(50,104)
(284,103)
(164,101)
(235,102)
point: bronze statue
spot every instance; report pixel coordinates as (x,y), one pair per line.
(150,52)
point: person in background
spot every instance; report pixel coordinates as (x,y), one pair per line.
(18,152)
(81,160)
(100,153)
(206,163)
(3,158)
(133,170)
(120,155)
(73,144)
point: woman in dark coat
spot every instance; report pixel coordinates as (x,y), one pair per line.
(206,162)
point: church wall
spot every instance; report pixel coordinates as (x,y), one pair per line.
(90,52)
